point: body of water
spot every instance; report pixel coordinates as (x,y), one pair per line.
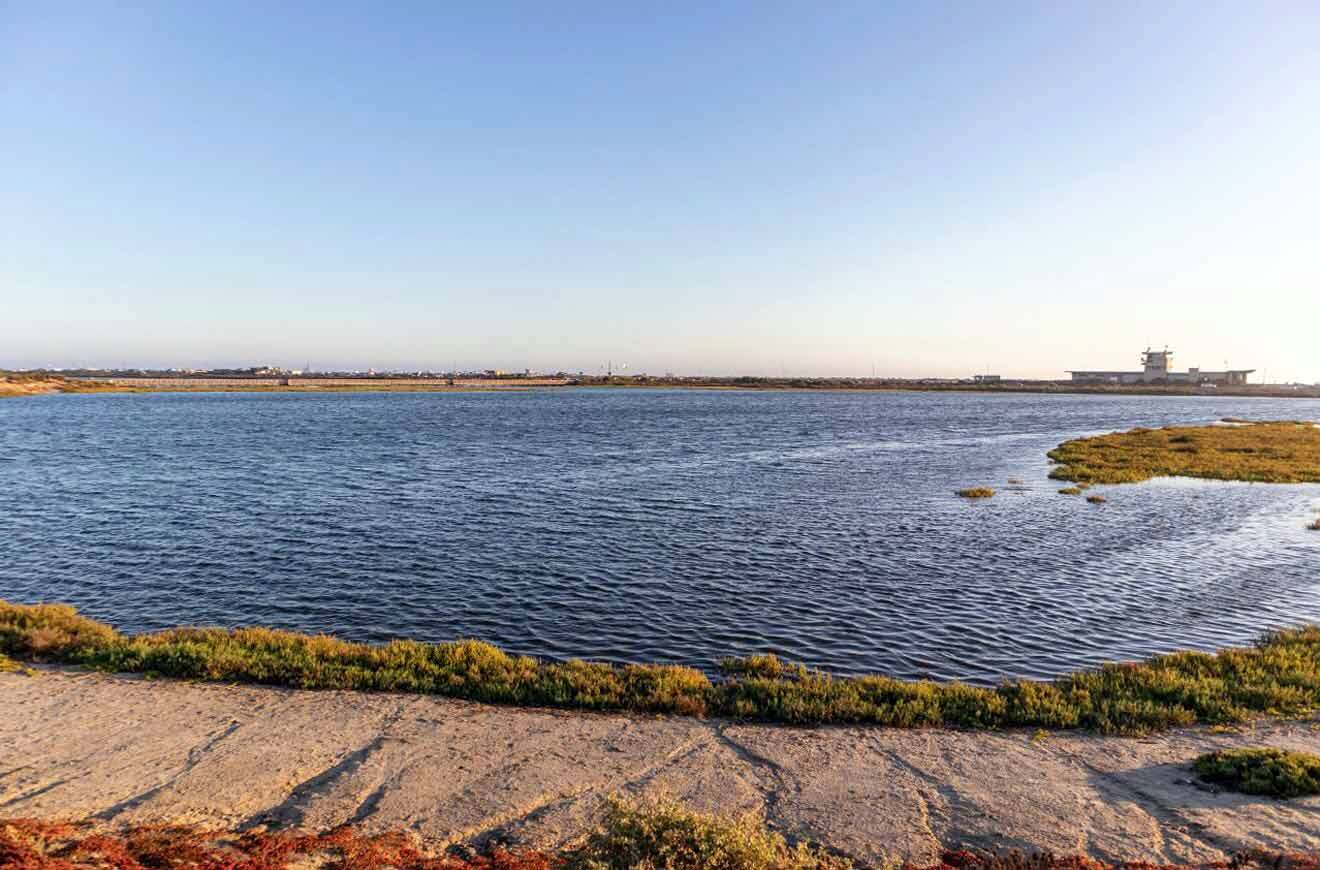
(651,525)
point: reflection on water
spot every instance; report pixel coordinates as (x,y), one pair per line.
(650,525)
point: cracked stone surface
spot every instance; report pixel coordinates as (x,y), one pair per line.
(129,750)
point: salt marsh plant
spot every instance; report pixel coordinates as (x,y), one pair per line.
(976,492)
(1264,771)
(1277,452)
(1279,676)
(667,834)
(1096,499)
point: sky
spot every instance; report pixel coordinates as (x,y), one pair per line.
(807,188)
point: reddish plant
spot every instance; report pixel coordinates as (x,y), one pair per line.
(30,844)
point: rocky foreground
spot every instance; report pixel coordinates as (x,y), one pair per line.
(127,750)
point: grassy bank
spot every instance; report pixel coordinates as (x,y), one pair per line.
(1280,676)
(1275,452)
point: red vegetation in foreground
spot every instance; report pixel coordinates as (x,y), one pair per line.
(29,844)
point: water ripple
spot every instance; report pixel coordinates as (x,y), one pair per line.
(673,526)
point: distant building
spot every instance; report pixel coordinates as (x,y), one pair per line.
(1155,370)
(987,379)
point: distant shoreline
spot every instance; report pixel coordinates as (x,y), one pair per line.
(43,383)
(1029,388)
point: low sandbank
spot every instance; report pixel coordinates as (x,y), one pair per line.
(34,385)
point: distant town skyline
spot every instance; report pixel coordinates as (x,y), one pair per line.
(623,369)
(739,189)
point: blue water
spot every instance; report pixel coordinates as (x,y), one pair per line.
(656,525)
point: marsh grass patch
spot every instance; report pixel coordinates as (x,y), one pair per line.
(1266,771)
(665,833)
(1274,452)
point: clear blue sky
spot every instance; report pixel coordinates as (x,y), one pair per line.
(737,187)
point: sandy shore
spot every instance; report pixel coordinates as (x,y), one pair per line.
(124,749)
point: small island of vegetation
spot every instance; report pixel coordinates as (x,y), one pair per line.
(1271,452)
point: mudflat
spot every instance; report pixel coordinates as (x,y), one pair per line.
(130,750)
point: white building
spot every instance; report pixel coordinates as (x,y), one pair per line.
(1155,370)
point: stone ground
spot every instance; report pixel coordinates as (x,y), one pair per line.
(131,750)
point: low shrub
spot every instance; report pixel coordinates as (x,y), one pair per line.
(976,492)
(32,844)
(667,834)
(1263,771)
(9,666)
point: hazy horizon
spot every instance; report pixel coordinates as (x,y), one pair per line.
(930,190)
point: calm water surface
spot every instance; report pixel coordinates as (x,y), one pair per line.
(662,525)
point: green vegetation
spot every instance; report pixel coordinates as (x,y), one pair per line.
(1279,676)
(1265,771)
(1278,452)
(977,492)
(1071,490)
(666,834)
(1096,499)
(9,666)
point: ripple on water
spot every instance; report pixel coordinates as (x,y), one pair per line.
(650,525)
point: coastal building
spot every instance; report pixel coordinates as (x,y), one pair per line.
(987,379)
(1156,370)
